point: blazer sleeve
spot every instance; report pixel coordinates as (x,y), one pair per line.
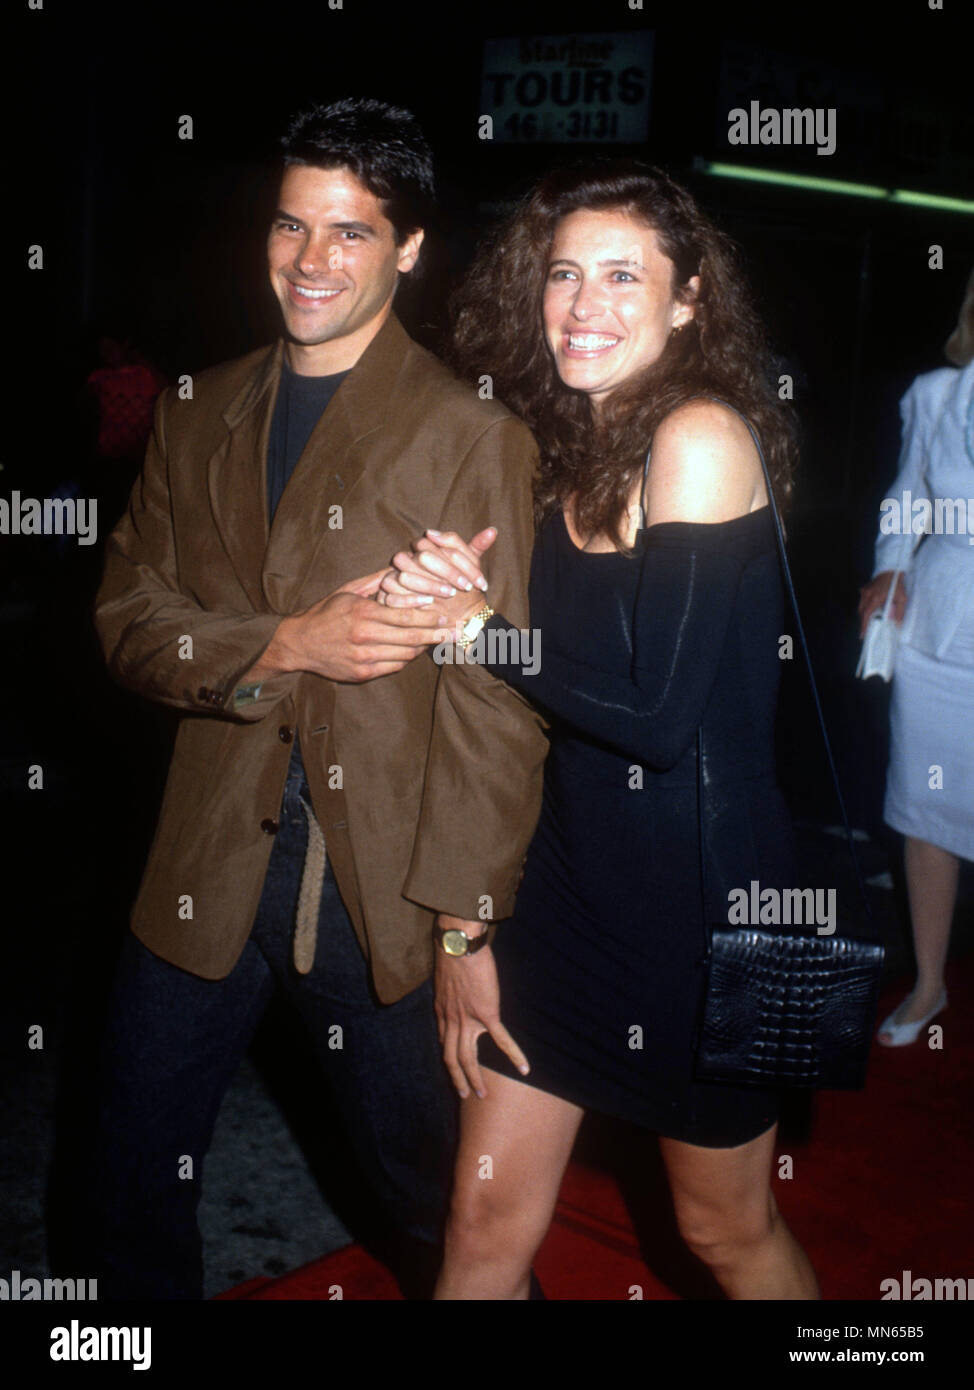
(894,549)
(482,789)
(143,618)
(687,590)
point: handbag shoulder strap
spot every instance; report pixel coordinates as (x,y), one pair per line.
(642,490)
(799,627)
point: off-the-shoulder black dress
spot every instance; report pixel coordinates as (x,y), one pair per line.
(599,967)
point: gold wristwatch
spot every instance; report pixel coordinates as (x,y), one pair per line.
(455,942)
(471,628)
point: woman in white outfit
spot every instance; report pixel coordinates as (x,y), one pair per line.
(930,780)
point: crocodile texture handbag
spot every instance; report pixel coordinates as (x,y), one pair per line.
(787,1008)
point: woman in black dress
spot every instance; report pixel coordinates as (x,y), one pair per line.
(611,316)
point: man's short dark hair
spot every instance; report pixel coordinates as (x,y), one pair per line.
(383,147)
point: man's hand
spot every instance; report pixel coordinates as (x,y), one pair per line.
(873,595)
(467,1003)
(349,637)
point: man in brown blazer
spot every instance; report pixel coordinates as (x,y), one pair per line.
(334,794)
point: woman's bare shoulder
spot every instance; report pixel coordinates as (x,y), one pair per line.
(704,466)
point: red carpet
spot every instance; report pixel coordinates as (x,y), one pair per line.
(883,1187)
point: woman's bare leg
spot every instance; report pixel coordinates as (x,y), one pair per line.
(728,1217)
(931,882)
(514,1148)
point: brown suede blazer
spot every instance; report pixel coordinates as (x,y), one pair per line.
(440,781)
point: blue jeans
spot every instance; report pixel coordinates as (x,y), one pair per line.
(174,1041)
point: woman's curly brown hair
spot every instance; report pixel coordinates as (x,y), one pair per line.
(497,331)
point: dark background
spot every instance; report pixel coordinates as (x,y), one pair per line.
(160,240)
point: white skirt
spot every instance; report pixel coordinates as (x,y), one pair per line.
(930,779)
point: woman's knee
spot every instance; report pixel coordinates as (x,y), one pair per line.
(486,1216)
(716,1231)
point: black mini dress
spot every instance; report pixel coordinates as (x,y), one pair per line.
(644,658)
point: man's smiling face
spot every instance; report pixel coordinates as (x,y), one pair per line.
(334,265)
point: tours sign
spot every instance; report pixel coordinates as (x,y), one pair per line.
(575,88)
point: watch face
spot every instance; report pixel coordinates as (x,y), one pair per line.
(454,943)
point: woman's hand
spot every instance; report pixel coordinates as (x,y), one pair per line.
(442,572)
(450,612)
(873,595)
(440,564)
(467,1003)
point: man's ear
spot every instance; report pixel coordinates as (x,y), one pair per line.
(686,309)
(409,250)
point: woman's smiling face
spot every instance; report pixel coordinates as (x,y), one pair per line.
(608,305)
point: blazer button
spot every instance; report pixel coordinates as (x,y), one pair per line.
(270,827)
(284,734)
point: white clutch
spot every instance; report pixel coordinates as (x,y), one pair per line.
(881,639)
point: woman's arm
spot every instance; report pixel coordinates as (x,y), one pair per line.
(705,471)
(896,540)
(687,590)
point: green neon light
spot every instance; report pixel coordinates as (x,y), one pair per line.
(932,200)
(855,190)
(737,171)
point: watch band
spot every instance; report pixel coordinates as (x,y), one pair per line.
(471,628)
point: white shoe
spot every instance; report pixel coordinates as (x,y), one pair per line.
(902,1034)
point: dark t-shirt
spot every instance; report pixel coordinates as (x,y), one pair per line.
(301,402)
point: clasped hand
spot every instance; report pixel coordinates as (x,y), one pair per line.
(441,571)
(347,636)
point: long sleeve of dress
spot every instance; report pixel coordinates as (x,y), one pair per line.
(686,595)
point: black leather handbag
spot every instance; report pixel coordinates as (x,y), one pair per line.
(788,1008)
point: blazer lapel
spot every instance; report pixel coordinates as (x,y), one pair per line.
(333,461)
(237,475)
